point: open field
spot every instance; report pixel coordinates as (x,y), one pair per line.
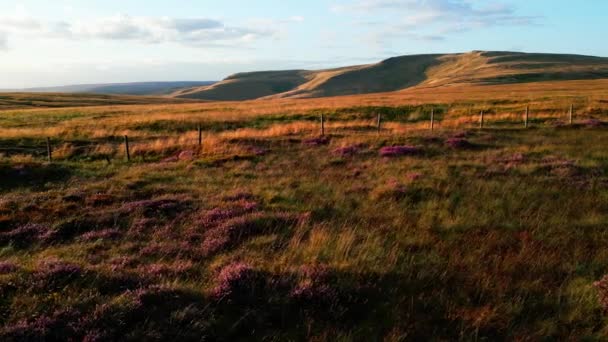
(269,231)
(61,100)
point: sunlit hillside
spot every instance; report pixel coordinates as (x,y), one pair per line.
(404,72)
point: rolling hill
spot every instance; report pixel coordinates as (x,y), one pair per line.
(399,73)
(137,88)
(9,101)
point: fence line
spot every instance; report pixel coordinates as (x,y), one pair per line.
(83,144)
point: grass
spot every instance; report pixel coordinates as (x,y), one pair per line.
(271,233)
(60,100)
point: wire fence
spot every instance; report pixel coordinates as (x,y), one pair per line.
(47,147)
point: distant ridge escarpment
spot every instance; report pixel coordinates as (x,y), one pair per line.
(399,73)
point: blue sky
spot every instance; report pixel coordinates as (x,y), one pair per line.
(73,41)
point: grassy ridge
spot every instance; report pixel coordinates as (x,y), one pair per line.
(478,67)
(270,232)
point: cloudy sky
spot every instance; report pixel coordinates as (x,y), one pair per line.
(61,42)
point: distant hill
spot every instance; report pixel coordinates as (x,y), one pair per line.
(398,73)
(10,101)
(137,88)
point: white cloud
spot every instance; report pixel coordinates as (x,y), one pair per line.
(3,41)
(433,20)
(188,31)
(297,19)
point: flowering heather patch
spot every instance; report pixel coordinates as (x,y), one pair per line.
(413,176)
(514,158)
(458,143)
(602,292)
(314,284)
(156,312)
(236,280)
(106,234)
(123,262)
(47,327)
(257,151)
(233,231)
(552,161)
(316,141)
(392,190)
(25,235)
(501,165)
(7,267)
(559,167)
(218,215)
(187,155)
(54,273)
(165,206)
(140,226)
(397,151)
(593,123)
(347,151)
(95,336)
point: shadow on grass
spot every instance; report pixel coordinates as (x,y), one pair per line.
(34,175)
(310,302)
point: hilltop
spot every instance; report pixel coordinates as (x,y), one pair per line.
(399,73)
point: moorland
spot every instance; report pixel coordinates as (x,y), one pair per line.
(272,229)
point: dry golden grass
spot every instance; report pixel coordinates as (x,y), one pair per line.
(502,239)
(163,128)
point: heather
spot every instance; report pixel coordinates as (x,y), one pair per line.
(269,231)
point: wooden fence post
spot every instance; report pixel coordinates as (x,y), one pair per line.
(49,150)
(571,113)
(322,125)
(379,122)
(527,116)
(200,136)
(432,119)
(481,119)
(127,148)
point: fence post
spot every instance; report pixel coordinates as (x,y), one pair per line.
(571,113)
(127,148)
(49,150)
(526,116)
(200,136)
(481,119)
(379,122)
(322,125)
(432,119)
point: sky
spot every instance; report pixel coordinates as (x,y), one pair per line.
(48,43)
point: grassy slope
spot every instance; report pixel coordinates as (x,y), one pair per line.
(248,86)
(404,72)
(50,100)
(502,241)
